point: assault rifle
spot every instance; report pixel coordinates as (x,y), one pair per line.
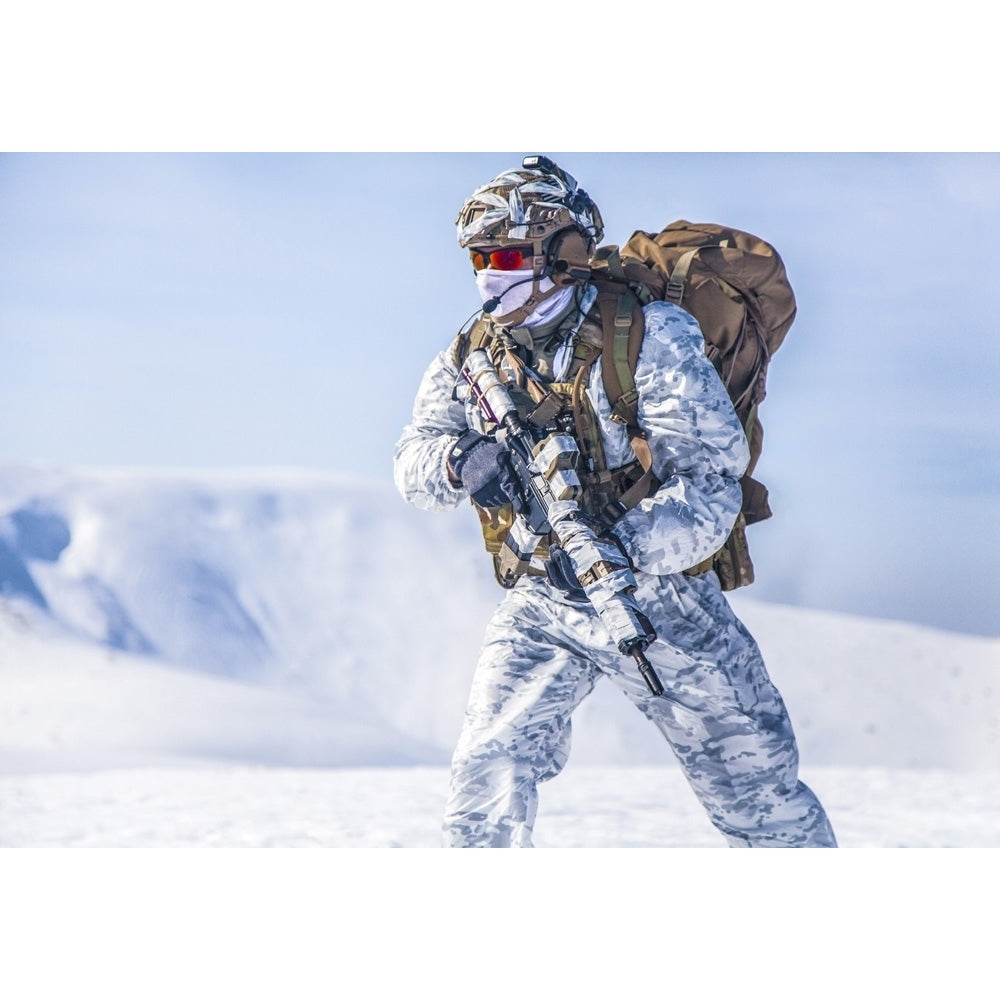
(547,487)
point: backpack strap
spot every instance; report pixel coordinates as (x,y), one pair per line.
(623,328)
(675,283)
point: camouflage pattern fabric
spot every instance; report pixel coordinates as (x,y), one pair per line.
(720,713)
(542,654)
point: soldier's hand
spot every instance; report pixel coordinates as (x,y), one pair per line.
(478,462)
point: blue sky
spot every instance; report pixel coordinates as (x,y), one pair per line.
(234,310)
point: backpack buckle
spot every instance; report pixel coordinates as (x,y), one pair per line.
(623,411)
(675,290)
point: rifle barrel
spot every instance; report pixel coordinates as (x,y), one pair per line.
(649,675)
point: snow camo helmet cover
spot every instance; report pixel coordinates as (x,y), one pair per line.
(528,205)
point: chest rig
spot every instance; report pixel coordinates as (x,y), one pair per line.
(527,363)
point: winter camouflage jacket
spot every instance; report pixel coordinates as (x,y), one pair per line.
(699,448)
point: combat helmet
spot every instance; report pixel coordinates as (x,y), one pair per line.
(541,205)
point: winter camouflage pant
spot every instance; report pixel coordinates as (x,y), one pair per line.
(721,714)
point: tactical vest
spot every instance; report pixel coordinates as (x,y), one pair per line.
(607,494)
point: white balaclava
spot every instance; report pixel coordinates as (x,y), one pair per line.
(511,292)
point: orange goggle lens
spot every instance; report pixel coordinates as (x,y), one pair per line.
(507,259)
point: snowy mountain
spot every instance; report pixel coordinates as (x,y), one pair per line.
(297,618)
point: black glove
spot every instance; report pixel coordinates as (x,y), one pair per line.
(481,465)
(561,574)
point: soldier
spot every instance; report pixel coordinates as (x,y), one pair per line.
(530,233)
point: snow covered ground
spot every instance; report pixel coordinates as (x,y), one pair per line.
(281,659)
(587,806)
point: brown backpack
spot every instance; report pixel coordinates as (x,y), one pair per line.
(735,285)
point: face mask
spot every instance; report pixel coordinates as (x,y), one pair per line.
(513,289)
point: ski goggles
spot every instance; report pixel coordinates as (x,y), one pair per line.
(504,259)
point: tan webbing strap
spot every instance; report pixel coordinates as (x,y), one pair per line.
(620,345)
(645,486)
(480,335)
(623,326)
(675,283)
(587,434)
